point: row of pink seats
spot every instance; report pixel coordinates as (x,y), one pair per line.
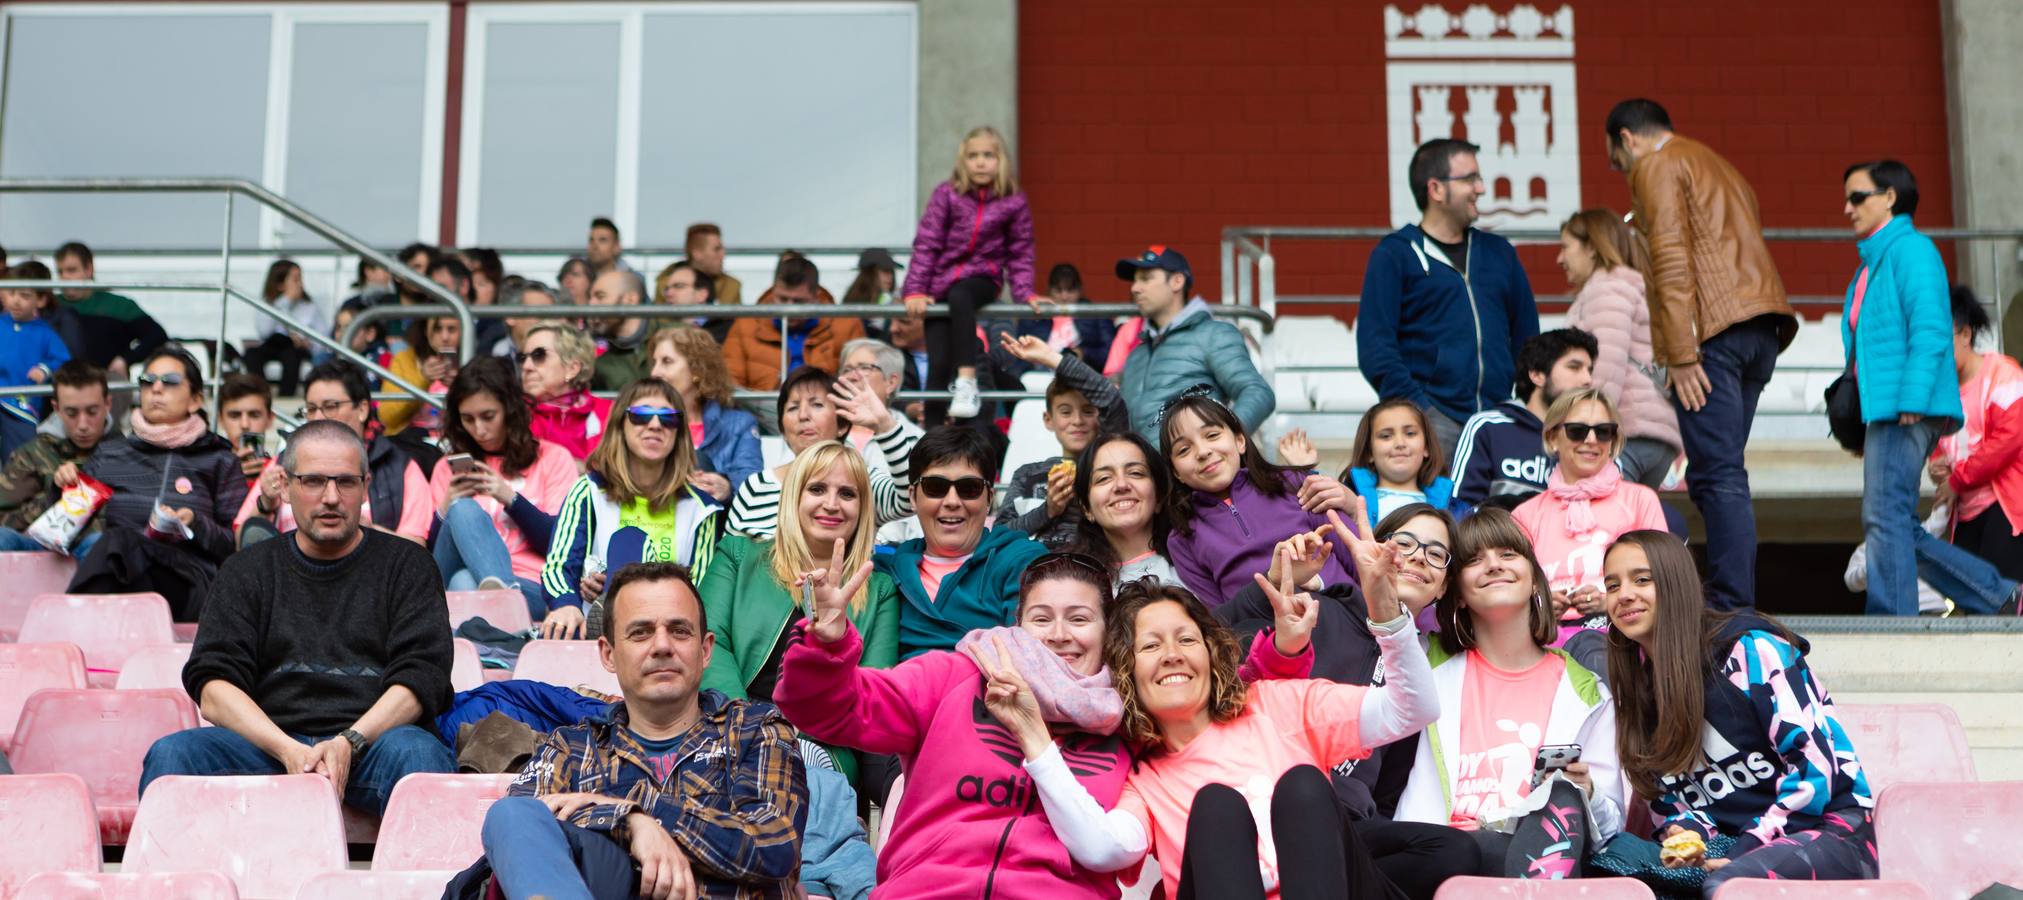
(270,835)
(27,576)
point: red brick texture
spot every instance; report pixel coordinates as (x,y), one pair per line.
(1151,121)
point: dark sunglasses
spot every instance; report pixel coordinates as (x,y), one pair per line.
(1577,432)
(539,355)
(1857,198)
(668,417)
(968,487)
(167,379)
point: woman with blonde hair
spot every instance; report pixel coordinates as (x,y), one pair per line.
(752,592)
(1606,267)
(634,504)
(976,235)
(726,438)
(556,365)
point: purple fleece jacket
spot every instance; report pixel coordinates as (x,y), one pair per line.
(1232,539)
(968,235)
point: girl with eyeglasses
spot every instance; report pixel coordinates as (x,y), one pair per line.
(1396,461)
(813,407)
(170,462)
(635,504)
(1230,506)
(555,371)
(1586,505)
(752,592)
(495,514)
(1725,731)
(1505,694)
(726,438)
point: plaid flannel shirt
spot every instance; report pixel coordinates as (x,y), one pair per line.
(736,801)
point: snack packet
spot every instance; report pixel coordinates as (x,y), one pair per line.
(58,527)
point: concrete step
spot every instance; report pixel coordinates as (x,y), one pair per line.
(1941,663)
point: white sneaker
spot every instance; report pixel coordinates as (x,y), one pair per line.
(964,404)
(494,583)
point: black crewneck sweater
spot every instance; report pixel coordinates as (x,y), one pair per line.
(317,643)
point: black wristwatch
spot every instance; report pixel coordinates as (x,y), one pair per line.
(356,740)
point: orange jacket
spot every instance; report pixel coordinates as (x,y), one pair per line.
(752,349)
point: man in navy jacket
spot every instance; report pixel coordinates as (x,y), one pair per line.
(1445,306)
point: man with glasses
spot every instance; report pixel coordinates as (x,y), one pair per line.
(961,575)
(322,651)
(1445,305)
(1719,318)
(399,502)
(685,285)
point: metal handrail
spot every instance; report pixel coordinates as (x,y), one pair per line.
(259,194)
(341,349)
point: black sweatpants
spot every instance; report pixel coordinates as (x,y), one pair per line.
(951,340)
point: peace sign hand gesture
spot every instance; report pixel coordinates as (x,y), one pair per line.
(827,602)
(1376,563)
(1009,699)
(1293,611)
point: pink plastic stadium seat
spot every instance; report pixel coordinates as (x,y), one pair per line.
(107,627)
(164,886)
(505,610)
(156,667)
(46,825)
(27,576)
(1907,742)
(466,670)
(1955,839)
(565,663)
(1765,889)
(102,737)
(268,833)
(186,632)
(27,668)
(422,885)
(1471,888)
(435,822)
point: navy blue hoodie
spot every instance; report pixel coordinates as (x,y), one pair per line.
(1501,452)
(1444,341)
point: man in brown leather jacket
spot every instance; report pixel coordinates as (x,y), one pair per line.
(1718,320)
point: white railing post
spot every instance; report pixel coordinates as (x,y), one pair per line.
(1267,284)
(1228,270)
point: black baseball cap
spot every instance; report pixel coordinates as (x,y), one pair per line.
(1157,256)
(877,257)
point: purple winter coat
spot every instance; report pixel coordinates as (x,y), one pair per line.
(1231,540)
(966,235)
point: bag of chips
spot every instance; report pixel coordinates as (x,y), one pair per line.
(58,526)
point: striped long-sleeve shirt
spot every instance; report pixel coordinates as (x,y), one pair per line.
(755,509)
(735,796)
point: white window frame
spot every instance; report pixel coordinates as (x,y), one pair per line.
(631,19)
(282,19)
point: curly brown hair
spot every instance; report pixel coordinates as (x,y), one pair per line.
(1226,689)
(705,360)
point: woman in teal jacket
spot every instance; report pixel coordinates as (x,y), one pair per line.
(750,597)
(1897,330)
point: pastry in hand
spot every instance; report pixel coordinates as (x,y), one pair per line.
(1685,848)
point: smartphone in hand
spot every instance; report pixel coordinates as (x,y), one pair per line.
(1553,758)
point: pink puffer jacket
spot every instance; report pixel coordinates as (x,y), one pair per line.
(970,235)
(1611,307)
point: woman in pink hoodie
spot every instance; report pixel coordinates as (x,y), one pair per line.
(1586,505)
(976,235)
(1606,268)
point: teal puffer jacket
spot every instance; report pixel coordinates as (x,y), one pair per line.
(1902,346)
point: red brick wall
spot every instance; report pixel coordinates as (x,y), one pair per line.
(1147,121)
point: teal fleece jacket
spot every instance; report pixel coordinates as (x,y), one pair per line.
(984,593)
(1902,347)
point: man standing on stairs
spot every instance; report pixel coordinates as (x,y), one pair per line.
(1445,305)
(1718,320)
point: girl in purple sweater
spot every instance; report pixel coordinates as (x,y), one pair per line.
(1231,507)
(976,234)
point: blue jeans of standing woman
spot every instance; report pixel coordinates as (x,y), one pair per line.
(469,550)
(1900,550)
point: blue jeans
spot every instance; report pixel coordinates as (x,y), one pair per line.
(398,753)
(1900,551)
(1738,363)
(469,550)
(534,855)
(12,541)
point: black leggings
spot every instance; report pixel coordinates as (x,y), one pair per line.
(951,340)
(279,348)
(1548,844)
(1320,854)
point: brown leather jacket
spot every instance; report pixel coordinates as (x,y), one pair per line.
(1709,266)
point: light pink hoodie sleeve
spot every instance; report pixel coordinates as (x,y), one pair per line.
(824,692)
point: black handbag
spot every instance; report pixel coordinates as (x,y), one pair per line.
(1843,412)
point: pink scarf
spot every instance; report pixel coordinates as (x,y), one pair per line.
(172,437)
(1580,515)
(1088,702)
